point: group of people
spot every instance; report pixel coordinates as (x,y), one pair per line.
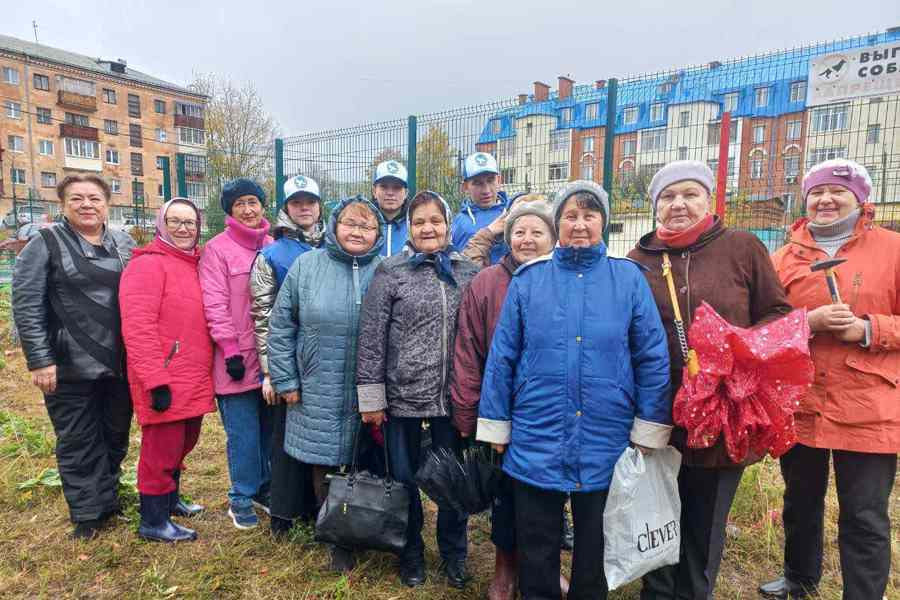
(508,324)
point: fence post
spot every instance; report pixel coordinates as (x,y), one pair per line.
(180,179)
(722,174)
(609,140)
(411,154)
(279,173)
(167,178)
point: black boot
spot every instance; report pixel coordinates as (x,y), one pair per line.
(177,506)
(412,571)
(87,530)
(281,527)
(783,588)
(155,522)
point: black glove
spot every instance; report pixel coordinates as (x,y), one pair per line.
(234,365)
(162,398)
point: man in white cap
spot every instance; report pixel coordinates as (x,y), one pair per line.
(484,202)
(389,193)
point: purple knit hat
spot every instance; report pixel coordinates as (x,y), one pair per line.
(163,233)
(843,172)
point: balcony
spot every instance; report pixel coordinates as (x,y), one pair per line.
(77,101)
(67,130)
(192,122)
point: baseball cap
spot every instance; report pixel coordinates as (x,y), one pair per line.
(301,184)
(478,163)
(390,169)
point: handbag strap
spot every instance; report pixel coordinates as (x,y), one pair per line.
(354,468)
(689,355)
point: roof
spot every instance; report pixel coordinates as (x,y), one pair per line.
(87,63)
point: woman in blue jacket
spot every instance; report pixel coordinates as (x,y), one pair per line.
(578,367)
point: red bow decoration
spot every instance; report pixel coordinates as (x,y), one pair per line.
(749,384)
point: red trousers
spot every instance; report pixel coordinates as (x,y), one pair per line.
(163,448)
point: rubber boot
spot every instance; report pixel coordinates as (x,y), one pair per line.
(177,506)
(503,585)
(156,524)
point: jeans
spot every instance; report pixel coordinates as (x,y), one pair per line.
(403,437)
(248,431)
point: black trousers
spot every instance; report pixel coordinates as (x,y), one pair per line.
(706,497)
(92,421)
(291,492)
(539,515)
(864,483)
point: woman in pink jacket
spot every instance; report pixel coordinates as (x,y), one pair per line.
(169,363)
(225,281)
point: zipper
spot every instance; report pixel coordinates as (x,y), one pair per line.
(356,295)
(389,227)
(175,347)
(444,352)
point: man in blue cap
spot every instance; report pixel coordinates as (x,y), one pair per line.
(484,202)
(389,193)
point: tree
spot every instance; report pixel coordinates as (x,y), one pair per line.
(436,165)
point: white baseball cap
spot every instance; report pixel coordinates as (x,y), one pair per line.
(301,184)
(390,169)
(478,163)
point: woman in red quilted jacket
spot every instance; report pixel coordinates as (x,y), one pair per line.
(170,357)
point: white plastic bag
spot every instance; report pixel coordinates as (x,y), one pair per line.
(642,519)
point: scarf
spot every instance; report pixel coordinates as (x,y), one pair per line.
(441,260)
(687,237)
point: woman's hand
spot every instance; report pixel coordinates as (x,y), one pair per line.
(291,397)
(856,333)
(497,225)
(268,391)
(499,448)
(376,417)
(45,378)
(831,317)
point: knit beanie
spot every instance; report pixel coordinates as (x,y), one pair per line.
(681,170)
(538,208)
(240,187)
(581,186)
(843,172)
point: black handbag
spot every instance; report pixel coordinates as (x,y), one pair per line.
(364,511)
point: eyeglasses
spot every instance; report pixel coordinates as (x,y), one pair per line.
(79,200)
(254,203)
(176,224)
(360,226)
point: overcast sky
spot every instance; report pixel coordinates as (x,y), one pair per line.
(326,64)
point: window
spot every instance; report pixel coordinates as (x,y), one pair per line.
(682,153)
(134,135)
(730,102)
(10,76)
(629,147)
(198,190)
(160,134)
(761,97)
(75,86)
(794,129)
(134,106)
(529,129)
(159,106)
(76,119)
(13,109)
(656,111)
(684,118)
(565,115)
(137,190)
(507,147)
(655,139)
(109,96)
(791,166)
(137,164)
(558,171)
(528,159)
(829,118)
(111,127)
(44,116)
(16,143)
(18,176)
(507,175)
(714,166)
(112,157)
(41,82)
(592,111)
(161,162)
(798,91)
(82,148)
(665,88)
(189,110)
(759,134)
(630,115)
(48,179)
(45,147)
(559,140)
(186,135)
(714,130)
(818,155)
(587,168)
(587,143)
(756,168)
(115,186)
(873,133)
(196,165)
(496,126)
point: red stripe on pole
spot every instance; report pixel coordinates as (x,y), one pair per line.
(722,175)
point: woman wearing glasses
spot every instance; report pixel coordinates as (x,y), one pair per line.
(313,329)
(169,363)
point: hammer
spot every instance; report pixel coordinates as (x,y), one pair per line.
(828,266)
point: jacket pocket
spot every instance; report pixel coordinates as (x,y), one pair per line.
(884,365)
(865,393)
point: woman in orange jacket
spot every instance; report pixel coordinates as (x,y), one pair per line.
(852,411)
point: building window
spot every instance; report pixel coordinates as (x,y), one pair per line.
(630,115)
(41,82)
(654,139)
(756,168)
(13,109)
(79,120)
(45,147)
(682,153)
(198,190)
(714,131)
(791,166)
(730,102)
(196,165)
(115,186)
(16,143)
(496,126)
(714,166)
(507,175)
(759,134)
(684,118)
(109,96)
(529,129)
(587,168)
(112,157)
(761,97)
(137,190)
(134,106)
(48,179)
(558,171)
(798,91)
(873,134)
(665,88)
(160,134)
(111,127)
(75,86)
(565,115)
(818,155)
(137,163)
(10,76)
(528,159)
(18,176)
(189,110)
(794,129)
(197,137)
(44,116)
(134,135)
(592,111)
(161,162)
(559,140)
(507,147)
(159,106)
(629,147)
(79,148)
(587,143)
(829,118)
(656,111)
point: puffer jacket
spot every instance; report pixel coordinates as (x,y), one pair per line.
(165,333)
(225,281)
(407,331)
(578,366)
(854,401)
(472,218)
(65,302)
(269,270)
(312,347)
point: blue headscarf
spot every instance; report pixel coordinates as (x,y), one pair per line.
(441,259)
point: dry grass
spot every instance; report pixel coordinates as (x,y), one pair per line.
(38,560)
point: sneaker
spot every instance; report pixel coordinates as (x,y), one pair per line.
(261,502)
(243,518)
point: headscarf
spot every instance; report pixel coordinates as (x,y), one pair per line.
(163,234)
(441,259)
